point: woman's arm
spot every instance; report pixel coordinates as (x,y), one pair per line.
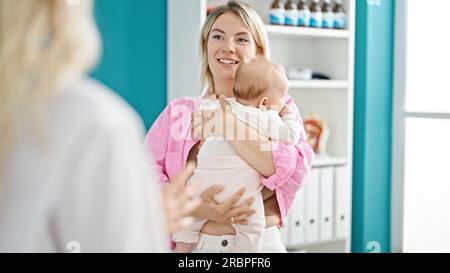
(254,148)
(156,144)
(288,164)
(257,151)
(293,163)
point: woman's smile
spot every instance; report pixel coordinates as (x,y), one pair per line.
(227,62)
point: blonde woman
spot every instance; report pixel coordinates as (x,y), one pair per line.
(231,35)
(73,174)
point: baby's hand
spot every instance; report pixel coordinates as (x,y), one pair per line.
(287,110)
(212,97)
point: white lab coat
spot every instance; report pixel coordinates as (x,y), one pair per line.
(87,186)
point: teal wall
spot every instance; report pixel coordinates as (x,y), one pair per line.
(134,52)
(373,125)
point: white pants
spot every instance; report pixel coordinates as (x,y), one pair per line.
(271,243)
(219,163)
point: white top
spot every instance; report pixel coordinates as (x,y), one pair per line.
(286,129)
(87,187)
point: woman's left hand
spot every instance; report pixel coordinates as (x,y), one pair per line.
(207,123)
(287,109)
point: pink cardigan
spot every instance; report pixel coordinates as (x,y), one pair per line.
(169,140)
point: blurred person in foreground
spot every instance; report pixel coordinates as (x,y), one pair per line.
(72,166)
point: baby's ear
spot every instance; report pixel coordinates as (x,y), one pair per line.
(264,104)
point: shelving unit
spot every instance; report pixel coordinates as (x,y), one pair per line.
(318,84)
(320,162)
(296,32)
(326,199)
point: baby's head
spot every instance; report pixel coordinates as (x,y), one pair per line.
(261,83)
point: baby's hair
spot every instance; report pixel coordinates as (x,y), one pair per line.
(251,84)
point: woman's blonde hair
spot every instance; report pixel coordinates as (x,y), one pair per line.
(43,43)
(251,19)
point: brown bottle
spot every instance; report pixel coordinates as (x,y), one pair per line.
(340,17)
(315,6)
(291,13)
(277,4)
(316,14)
(277,13)
(338,6)
(304,14)
(302,4)
(328,15)
(326,6)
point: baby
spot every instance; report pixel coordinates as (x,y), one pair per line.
(259,88)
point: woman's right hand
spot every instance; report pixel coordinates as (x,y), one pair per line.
(227,212)
(208,123)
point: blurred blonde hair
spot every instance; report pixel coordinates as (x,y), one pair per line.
(251,19)
(43,43)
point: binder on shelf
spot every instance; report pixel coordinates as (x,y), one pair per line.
(342,209)
(312,206)
(297,220)
(326,203)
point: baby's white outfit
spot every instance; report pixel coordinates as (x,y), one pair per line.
(218,163)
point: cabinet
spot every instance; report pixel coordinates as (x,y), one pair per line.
(321,212)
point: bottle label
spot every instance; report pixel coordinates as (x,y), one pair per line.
(328,20)
(316,19)
(304,17)
(277,16)
(340,20)
(292,17)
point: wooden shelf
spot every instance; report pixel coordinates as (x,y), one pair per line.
(318,84)
(273,30)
